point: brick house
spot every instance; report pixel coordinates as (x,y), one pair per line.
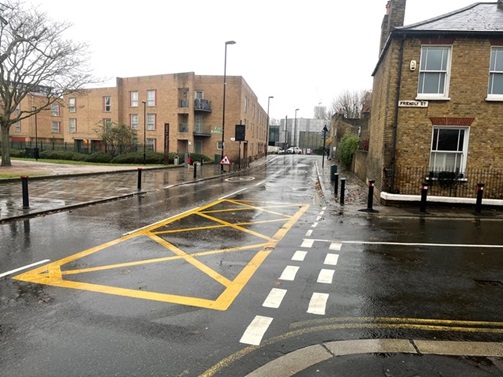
(437,103)
(179,112)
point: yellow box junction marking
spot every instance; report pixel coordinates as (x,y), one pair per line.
(54,274)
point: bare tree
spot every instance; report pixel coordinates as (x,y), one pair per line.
(352,104)
(35,58)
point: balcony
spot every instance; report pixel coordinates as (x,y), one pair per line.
(202,105)
(202,131)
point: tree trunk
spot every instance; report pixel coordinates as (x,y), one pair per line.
(5,146)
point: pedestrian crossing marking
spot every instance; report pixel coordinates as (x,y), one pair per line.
(163,244)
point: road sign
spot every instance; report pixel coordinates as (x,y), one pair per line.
(225,161)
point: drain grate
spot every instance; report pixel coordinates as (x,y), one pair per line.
(490,283)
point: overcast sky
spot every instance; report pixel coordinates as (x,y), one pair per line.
(302,52)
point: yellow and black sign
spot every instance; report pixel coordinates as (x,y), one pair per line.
(201,258)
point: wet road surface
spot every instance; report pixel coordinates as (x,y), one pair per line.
(302,274)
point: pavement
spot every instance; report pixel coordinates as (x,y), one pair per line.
(56,187)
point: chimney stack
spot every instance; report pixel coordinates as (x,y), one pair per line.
(395,15)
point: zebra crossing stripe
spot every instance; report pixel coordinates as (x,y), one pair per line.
(299,256)
(256,330)
(307,243)
(335,246)
(326,276)
(289,273)
(318,303)
(274,298)
(331,259)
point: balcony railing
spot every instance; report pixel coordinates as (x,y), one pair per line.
(202,105)
(202,130)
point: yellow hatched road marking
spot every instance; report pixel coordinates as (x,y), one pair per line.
(53,274)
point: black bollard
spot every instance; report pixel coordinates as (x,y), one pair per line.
(139,178)
(371,195)
(336,183)
(24,185)
(424,195)
(195,170)
(343,188)
(480,193)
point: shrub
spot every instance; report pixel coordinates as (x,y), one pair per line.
(17,153)
(347,148)
(99,157)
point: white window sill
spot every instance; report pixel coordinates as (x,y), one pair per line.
(494,98)
(429,98)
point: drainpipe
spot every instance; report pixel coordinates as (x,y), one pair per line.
(395,121)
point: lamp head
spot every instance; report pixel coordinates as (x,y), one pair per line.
(230,43)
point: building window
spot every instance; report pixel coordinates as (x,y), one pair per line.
(72,105)
(151,145)
(199,94)
(219,145)
(107,104)
(151,94)
(56,127)
(449,149)
(17,126)
(495,90)
(107,123)
(199,124)
(133,121)
(72,123)
(55,110)
(434,72)
(133,96)
(151,122)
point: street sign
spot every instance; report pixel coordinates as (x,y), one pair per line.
(225,161)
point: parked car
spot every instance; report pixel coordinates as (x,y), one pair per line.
(274,150)
(294,150)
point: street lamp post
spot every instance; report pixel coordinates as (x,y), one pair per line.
(144,132)
(295,129)
(267,126)
(223,103)
(325,130)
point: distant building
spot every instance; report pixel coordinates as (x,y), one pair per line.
(179,112)
(301,132)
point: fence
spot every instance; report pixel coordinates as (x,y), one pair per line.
(408,181)
(59,145)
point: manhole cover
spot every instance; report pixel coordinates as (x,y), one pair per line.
(240,179)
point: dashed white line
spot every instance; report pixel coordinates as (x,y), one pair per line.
(318,303)
(309,233)
(322,213)
(331,259)
(256,330)
(326,276)
(274,298)
(299,256)
(307,243)
(314,225)
(24,268)
(318,218)
(289,273)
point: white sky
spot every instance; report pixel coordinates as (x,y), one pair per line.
(302,52)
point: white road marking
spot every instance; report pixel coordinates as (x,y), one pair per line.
(256,330)
(318,218)
(314,225)
(24,268)
(307,243)
(322,213)
(274,298)
(326,276)
(299,256)
(331,259)
(356,242)
(324,208)
(318,303)
(289,273)
(309,232)
(335,246)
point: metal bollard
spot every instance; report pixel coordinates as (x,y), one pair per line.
(139,178)
(343,188)
(195,170)
(24,185)
(371,195)
(336,183)
(424,195)
(480,193)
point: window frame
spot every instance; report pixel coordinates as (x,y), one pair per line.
(55,127)
(72,105)
(72,128)
(151,102)
(151,126)
(151,144)
(493,72)
(133,125)
(423,73)
(55,110)
(107,104)
(133,98)
(463,153)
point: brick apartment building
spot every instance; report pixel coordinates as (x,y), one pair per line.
(179,112)
(437,103)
